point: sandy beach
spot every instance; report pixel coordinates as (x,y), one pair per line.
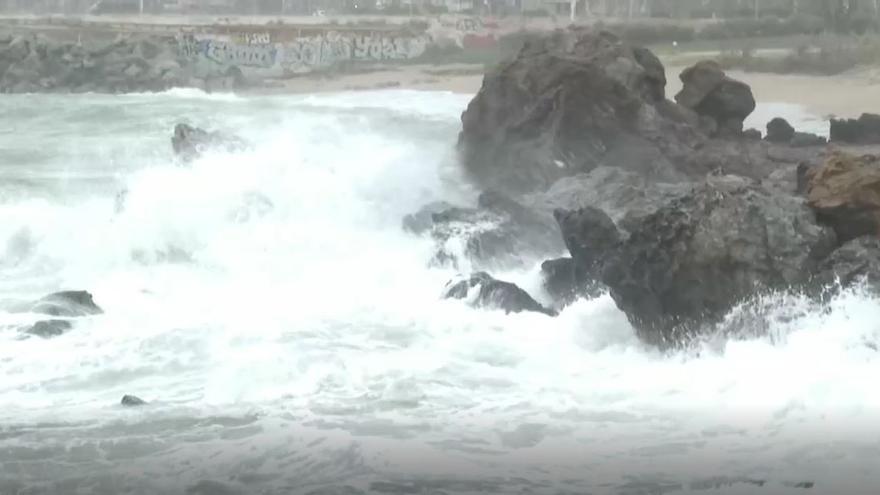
(846,95)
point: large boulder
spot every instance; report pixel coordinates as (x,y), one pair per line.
(709,92)
(568,103)
(481,290)
(864,130)
(689,263)
(845,192)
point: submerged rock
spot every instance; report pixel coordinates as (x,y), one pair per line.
(495,294)
(690,262)
(48,328)
(132,401)
(845,192)
(67,303)
(190,142)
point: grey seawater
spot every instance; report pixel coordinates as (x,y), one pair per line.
(290,338)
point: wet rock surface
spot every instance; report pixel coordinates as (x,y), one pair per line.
(189,142)
(66,304)
(690,262)
(487,292)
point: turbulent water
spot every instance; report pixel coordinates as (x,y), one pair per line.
(290,337)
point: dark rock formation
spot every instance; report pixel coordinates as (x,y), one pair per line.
(48,328)
(845,192)
(499,231)
(132,401)
(190,142)
(492,293)
(856,261)
(709,92)
(66,304)
(864,130)
(690,262)
(779,131)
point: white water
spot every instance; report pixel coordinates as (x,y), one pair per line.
(290,336)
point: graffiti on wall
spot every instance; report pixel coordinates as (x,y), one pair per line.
(302,54)
(325,50)
(469,32)
(228,52)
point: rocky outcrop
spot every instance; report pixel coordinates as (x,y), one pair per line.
(713,95)
(864,130)
(497,232)
(779,131)
(690,262)
(190,142)
(845,192)
(481,290)
(66,304)
(670,207)
(36,64)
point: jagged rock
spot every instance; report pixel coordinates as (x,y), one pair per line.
(845,192)
(689,263)
(710,92)
(498,232)
(485,291)
(779,131)
(190,142)
(132,401)
(66,304)
(806,139)
(48,328)
(864,130)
